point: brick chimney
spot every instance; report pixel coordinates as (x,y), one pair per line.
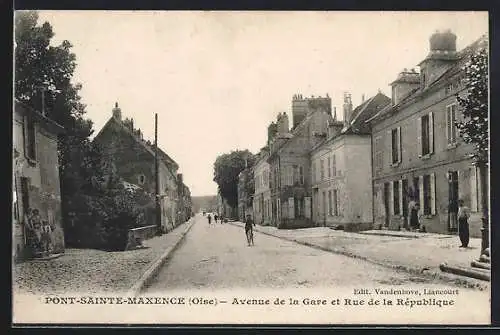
(117,112)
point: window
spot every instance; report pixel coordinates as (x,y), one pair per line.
(449,88)
(334,166)
(314,172)
(329,167)
(330,203)
(451,128)
(29,138)
(289,175)
(426,134)
(296,176)
(379,154)
(299,207)
(427,194)
(301,175)
(396,145)
(322,169)
(395,199)
(335,203)
(324,203)
(141,179)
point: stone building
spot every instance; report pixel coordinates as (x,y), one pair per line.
(133,159)
(36,183)
(289,160)
(262,196)
(418,155)
(341,169)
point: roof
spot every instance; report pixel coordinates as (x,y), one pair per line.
(365,111)
(149,148)
(41,118)
(444,74)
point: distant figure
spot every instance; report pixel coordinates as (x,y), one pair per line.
(463,223)
(215,218)
(209,218)
(204,213)
(415,216)
(249,229)
(221,218)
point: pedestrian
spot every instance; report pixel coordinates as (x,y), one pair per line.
(36,225)
(415,215)
(463,223)
(46,237)
(215,217)
(221,218)
(209,217)
(249,223)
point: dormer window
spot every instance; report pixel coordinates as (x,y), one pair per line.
(141,179)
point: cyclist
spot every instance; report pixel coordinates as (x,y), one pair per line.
(249,229)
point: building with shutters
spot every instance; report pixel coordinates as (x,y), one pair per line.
(341,169)
(262,195)
(418,155)
(289,160)
(36,183)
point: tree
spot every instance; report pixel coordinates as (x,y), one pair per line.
(474,127)
(226,170)
(43,80)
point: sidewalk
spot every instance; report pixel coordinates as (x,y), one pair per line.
(94,271)
(418,253)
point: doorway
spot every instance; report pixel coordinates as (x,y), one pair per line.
(452,201)
(387,196)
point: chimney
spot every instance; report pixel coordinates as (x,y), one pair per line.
(362,98)
(335,113)
(283,124)
(117,112)
(347,108)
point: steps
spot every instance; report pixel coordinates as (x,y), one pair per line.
(480,269)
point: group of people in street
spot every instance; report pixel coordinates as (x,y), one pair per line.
(38,232)
(462,215)
(216,217)
(249,224)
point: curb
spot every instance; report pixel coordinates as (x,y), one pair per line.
(153,270)
(415,271)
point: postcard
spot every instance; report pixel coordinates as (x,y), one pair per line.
(250,167)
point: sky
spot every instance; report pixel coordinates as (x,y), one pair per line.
(217,79)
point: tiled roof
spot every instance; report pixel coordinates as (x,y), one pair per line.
(149,148)
(42,118)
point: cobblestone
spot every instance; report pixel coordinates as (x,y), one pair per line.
(89,271)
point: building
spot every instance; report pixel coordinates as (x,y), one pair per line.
(133,159)
(418,155)
(262,184)
(36,183)
(289,160)
(341,169)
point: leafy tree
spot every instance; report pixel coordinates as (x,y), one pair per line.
(226,170)
(43,80)
(474,127)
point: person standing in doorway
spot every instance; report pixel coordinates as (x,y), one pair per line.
(415,216)
(209,217)
(463,223)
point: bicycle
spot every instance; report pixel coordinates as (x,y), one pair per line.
(249,234)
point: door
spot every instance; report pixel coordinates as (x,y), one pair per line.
(387,195)
(405,202)
(452,201)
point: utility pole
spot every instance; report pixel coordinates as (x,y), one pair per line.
(157,181)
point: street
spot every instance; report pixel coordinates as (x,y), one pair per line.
(217,257)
